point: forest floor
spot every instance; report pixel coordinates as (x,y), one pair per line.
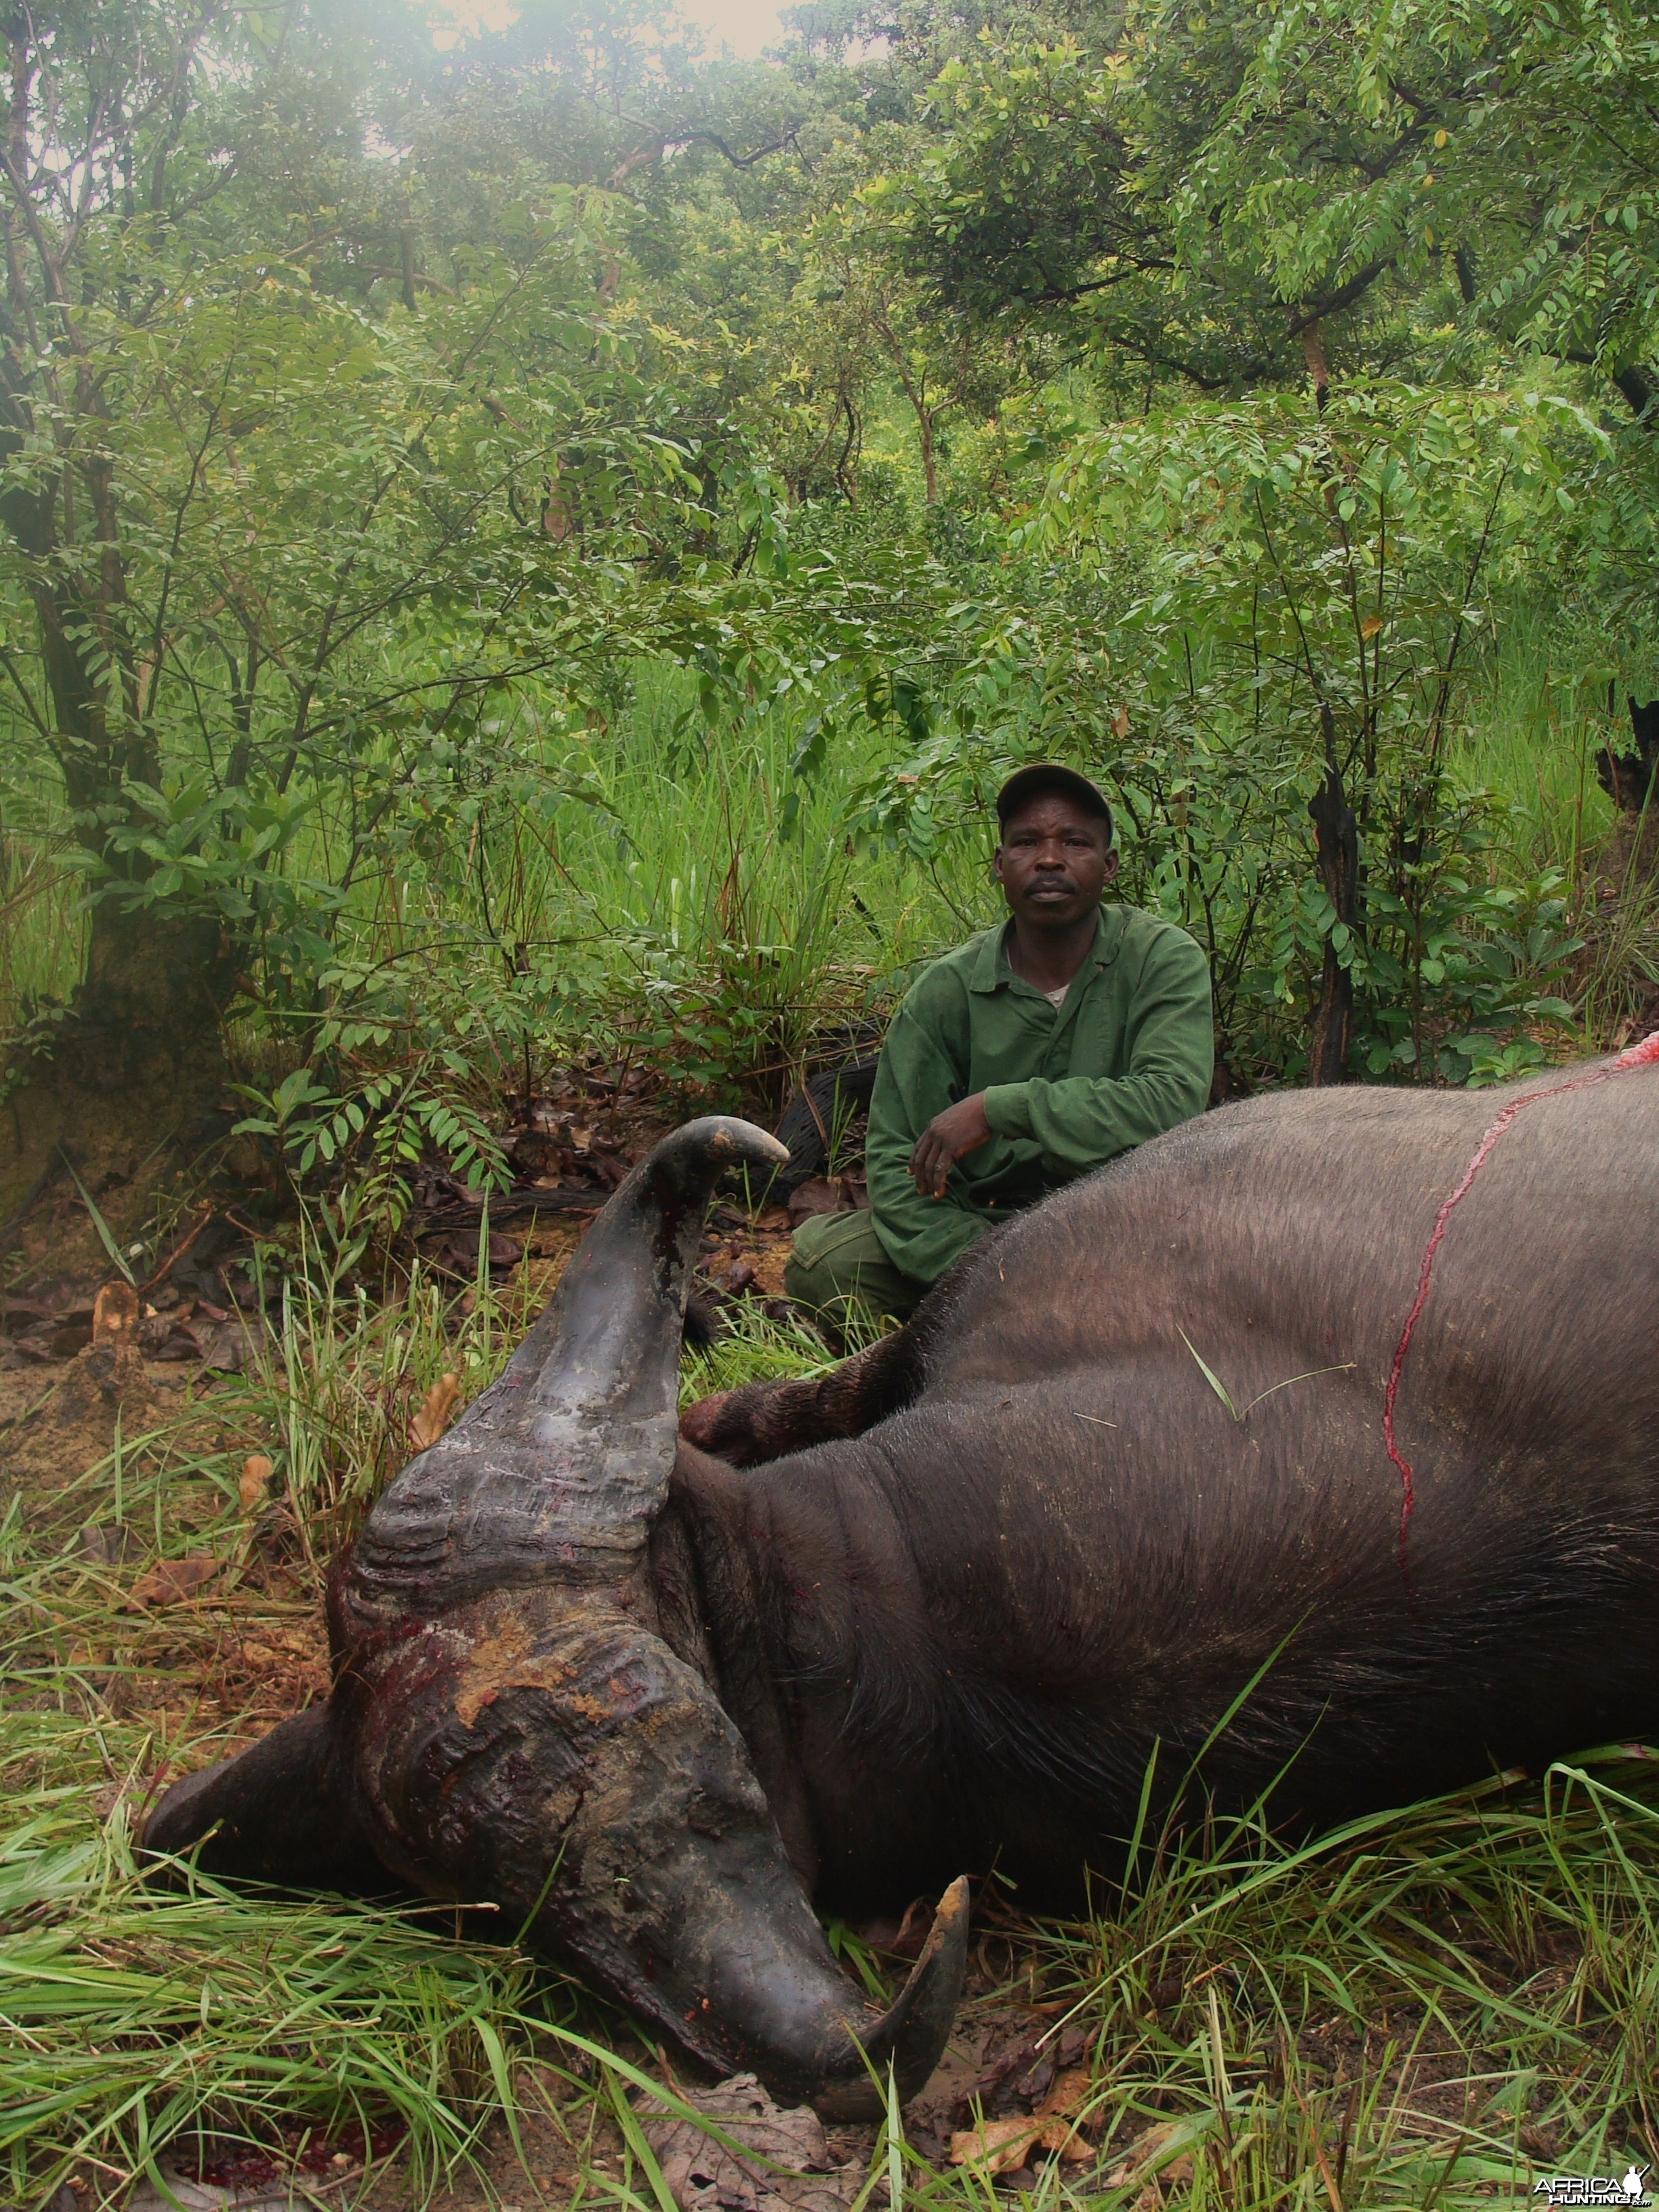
(1432,2008)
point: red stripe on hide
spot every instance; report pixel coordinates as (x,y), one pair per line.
(1645,1054)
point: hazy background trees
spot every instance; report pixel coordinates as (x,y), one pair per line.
(417,462)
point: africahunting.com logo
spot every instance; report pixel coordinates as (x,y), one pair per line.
(1594,2187)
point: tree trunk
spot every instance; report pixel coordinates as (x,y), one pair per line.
(1636,388)
(137,1056)
(915,390)
(929,465)
(1336,841)
(136,1066)
(1319,374)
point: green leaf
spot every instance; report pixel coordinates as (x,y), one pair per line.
(1210,1376)
(98,1220)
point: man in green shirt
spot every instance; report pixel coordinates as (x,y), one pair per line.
(1034,1052)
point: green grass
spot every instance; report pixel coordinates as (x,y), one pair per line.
(668,909)
(1423,2009)
(666,916)
(661,887)
(137,2018)
(42,927)
(1536,714)
(1531,720)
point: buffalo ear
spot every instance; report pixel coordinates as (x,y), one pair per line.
(704,1569)
(281,1813)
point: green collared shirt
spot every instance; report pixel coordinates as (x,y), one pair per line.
(1127,1055)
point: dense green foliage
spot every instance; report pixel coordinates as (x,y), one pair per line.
(412,459)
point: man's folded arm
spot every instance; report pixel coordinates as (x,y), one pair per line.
(1082,1120)
(915,1081)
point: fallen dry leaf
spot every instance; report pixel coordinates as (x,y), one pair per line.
(900,1939)
(1001,2145)
(434,1418)
(256,1471)
(1068,2091)
(817,1195)
(1141,2155)
(114,1310)
(703,2176)
(226,1351)
(998,2145)
(169,1580)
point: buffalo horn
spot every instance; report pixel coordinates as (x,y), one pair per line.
(558,1468)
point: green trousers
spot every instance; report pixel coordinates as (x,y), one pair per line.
(837,1268)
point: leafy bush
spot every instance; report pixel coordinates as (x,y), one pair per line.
(1266,686)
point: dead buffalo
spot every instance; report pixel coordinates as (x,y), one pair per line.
(1128,1461)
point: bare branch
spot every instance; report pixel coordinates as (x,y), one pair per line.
(1344,296)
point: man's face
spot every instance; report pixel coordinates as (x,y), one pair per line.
(1054,862)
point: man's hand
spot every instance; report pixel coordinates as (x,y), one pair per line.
(960,1128)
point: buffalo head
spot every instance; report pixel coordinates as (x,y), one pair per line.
(508,1724)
